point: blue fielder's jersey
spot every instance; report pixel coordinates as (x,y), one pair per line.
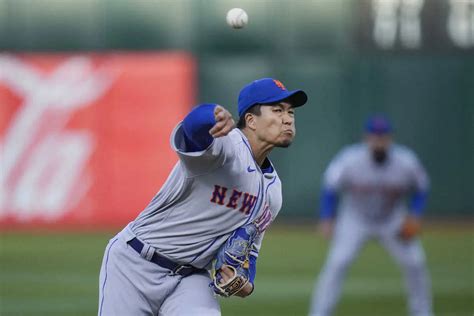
(375,191)
(207,196)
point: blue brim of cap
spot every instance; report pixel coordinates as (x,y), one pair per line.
(296,98)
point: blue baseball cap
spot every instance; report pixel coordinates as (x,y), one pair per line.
(266,91)
(378,124)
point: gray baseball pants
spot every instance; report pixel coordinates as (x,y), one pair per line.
(132,285)
(350,235)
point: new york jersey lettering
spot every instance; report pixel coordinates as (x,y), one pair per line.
(234,198)
(218,195)
(246,203)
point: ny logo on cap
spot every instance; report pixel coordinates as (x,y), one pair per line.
(279,84)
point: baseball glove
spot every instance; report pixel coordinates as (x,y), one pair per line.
(410,228)
(235,255)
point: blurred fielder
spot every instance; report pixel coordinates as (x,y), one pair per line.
(372,181)
(213,208)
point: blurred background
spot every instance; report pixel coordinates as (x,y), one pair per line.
(90,91)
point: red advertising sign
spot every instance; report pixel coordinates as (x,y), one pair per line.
(84,139)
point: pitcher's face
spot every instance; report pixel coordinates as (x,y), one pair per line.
(276,124)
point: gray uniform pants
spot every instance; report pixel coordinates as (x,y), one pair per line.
(351,233)
(131,285)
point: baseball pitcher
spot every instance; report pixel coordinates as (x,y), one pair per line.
(200,235)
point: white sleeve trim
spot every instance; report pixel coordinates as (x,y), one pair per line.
(254,253)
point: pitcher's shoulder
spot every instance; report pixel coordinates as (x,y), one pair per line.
(236,136)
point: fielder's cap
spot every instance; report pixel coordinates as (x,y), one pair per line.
(378,124)
(266,91)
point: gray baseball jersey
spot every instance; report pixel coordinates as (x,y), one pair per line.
(370,190)
(207,196)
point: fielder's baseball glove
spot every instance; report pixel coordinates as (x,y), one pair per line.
(410,228)
(235,255)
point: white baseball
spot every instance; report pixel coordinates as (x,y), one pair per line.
(237,18)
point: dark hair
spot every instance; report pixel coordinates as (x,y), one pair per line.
(253,110)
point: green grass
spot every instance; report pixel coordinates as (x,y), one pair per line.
(57,274)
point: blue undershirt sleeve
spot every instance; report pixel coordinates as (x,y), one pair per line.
(328,204)
(418,203)
(196,126)
(252,268)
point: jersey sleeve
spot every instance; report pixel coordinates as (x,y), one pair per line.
(203,161)
(420,179)
(334,176)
